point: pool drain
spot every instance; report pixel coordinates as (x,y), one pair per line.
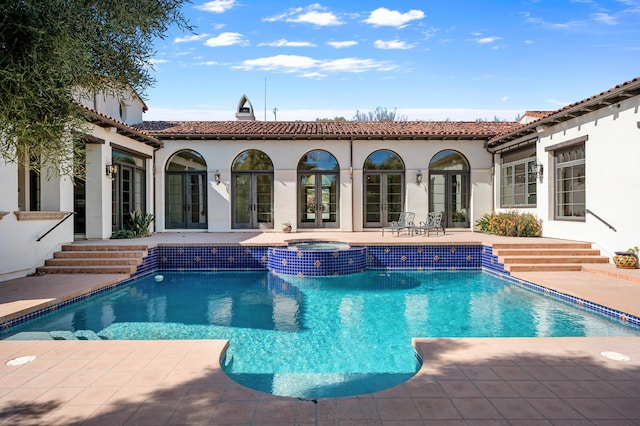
(21,360)
(616,356)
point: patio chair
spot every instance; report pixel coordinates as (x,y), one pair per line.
(405,221)
(434,221)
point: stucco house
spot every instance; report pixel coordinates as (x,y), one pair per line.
(575,168)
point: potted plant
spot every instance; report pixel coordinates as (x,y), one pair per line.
(627,259)
(286,227)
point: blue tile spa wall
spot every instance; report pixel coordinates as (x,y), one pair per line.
(317,263)
(212,258)
(425,257)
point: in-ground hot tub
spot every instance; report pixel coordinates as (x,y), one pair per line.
(315,258)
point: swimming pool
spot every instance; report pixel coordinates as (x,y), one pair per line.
(324,336)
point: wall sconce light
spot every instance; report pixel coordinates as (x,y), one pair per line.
(111,170)
(419,177)
(539,170)
(216,177)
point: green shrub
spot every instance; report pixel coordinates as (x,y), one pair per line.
(510,224)
(122,234)
(140,223)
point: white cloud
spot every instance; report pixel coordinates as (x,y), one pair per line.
(286,43)
(208,63)
(529,42)
(487,40)
(314,14)
(225,39)
(316,68)
(217,6)
(605,18)
(287,63)
(342,44)
(392,44)
(186,39)
(504,98)
(384,17)
(158,61)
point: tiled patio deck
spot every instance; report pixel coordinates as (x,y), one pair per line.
(462,381)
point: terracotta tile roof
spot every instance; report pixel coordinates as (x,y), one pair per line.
(536,114)
(612,96)
(260,129)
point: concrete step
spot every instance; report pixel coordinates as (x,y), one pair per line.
(551,259)
(544,245)
(74,254)
(79,261)
(546,267)
(103,269)
(105,247)
(547,252)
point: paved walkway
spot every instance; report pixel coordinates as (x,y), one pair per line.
(462,381)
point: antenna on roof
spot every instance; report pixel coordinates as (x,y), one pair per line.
(275,114)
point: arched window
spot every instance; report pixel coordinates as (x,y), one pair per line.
(449,188)
(383,188)
(318,190)
(252,189)
(186,190)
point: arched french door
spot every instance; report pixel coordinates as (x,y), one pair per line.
(383,188)
(252,189)
(318,190)
(186,191)
(449,188)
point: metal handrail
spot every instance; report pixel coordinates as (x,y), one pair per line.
(67,216)
(600,219)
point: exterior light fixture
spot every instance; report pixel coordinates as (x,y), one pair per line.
(419,177)
(540,129)
(216,177)
(111,170)
(539,170)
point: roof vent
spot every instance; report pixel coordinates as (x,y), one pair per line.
(245,109)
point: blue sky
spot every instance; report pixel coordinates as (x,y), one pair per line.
(430,60)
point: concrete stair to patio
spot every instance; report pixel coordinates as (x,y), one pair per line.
(95,259)
(552,257)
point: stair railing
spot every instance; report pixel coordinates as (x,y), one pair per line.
(67,216)
(601,219)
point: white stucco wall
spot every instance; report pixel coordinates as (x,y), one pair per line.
(612,162)
(20,252)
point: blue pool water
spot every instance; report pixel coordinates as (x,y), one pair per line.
(325,336)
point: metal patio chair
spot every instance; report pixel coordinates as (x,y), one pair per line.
(405,221)
(434,221)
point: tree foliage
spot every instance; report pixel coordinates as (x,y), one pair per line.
(379,114)
(49,49)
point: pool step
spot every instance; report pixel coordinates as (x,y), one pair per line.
(552,257)
(95,259)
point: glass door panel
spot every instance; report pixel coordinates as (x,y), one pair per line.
(197,203)
(175,201)
(126,196)
(394,194)
(459,208)
(308,199)
(437,195)
(242,201)
(264,200)
(373,200)
(329,202)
